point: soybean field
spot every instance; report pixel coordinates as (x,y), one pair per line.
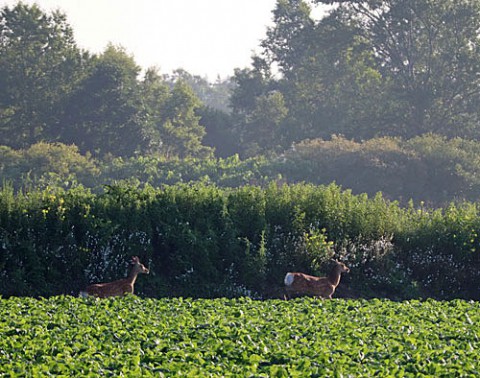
(131,336)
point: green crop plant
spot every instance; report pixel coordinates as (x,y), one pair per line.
(237,337)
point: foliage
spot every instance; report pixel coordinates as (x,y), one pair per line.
(367,69)
(39,64)
(219,131)
(331,92)
(443,169)
(101,112)
(204,241)
(184,337)
(426,49)
(382,73)
(53,91)
(214,95)
(262,129)
(43,164)
(181,132)
(428,168)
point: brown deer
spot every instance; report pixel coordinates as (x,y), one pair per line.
(299,284)
(117,288)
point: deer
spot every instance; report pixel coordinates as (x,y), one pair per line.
(119,287)
(301,284)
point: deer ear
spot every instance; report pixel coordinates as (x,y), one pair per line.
(135,260)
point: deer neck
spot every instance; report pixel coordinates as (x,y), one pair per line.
(132,276)
(334,276)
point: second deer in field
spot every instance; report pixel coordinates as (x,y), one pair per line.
(117,288)
(300,284)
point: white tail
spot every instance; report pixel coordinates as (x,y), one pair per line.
(289,278)
(117,288)
(299,284)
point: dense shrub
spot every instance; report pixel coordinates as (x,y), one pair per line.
(201,240)
(429,168)
(46,164)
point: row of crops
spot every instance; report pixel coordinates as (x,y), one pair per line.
(237,337)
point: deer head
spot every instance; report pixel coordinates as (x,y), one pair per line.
(342,268)
(138,267)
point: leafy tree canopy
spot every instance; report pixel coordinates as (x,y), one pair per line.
(39,62)
(369,68)
(52,91)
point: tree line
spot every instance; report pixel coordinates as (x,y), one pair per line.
(364,71)
(53,91)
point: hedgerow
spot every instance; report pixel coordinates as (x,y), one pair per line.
(205,241)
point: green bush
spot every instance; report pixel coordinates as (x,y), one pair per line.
(45,164)
(429,168)
(204,241)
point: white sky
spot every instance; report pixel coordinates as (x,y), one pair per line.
(205,37)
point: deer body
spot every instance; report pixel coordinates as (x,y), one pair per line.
(299,284)
(119,287)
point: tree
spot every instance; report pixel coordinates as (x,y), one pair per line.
(47,164)
(262,131)
(171,118)
(51,91)
(330,81)
(103,114)
(219,131)
(287,42)
(249,84)
(369,68)
(214,111)
(38,65)
(154,94)
(430,51)
(215,95)
(252,88)
(343,96)
(181,132)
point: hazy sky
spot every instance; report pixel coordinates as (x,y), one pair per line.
(205,37)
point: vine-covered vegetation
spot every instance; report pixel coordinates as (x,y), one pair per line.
(204,241)
(430,168)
